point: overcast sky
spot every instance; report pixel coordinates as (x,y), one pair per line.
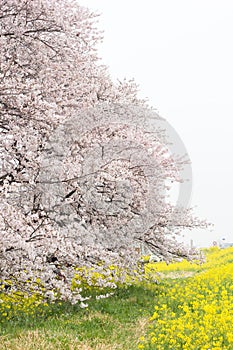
(181,54)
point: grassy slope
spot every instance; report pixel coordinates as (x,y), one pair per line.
(113,323)
(108,324)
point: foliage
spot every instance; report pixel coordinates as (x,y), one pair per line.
(19,304)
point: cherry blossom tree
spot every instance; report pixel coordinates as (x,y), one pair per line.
(85,164)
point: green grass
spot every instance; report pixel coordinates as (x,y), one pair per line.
(113,323)
(117,322)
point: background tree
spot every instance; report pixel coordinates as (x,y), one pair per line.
(84,164)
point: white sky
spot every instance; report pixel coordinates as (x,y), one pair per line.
(181,54)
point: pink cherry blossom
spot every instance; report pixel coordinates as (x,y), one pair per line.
(84,166)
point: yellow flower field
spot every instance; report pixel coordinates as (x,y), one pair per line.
(194,313)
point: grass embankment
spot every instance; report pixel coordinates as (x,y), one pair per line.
(190,309)
(107,324)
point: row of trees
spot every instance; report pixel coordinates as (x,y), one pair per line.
(85,165)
